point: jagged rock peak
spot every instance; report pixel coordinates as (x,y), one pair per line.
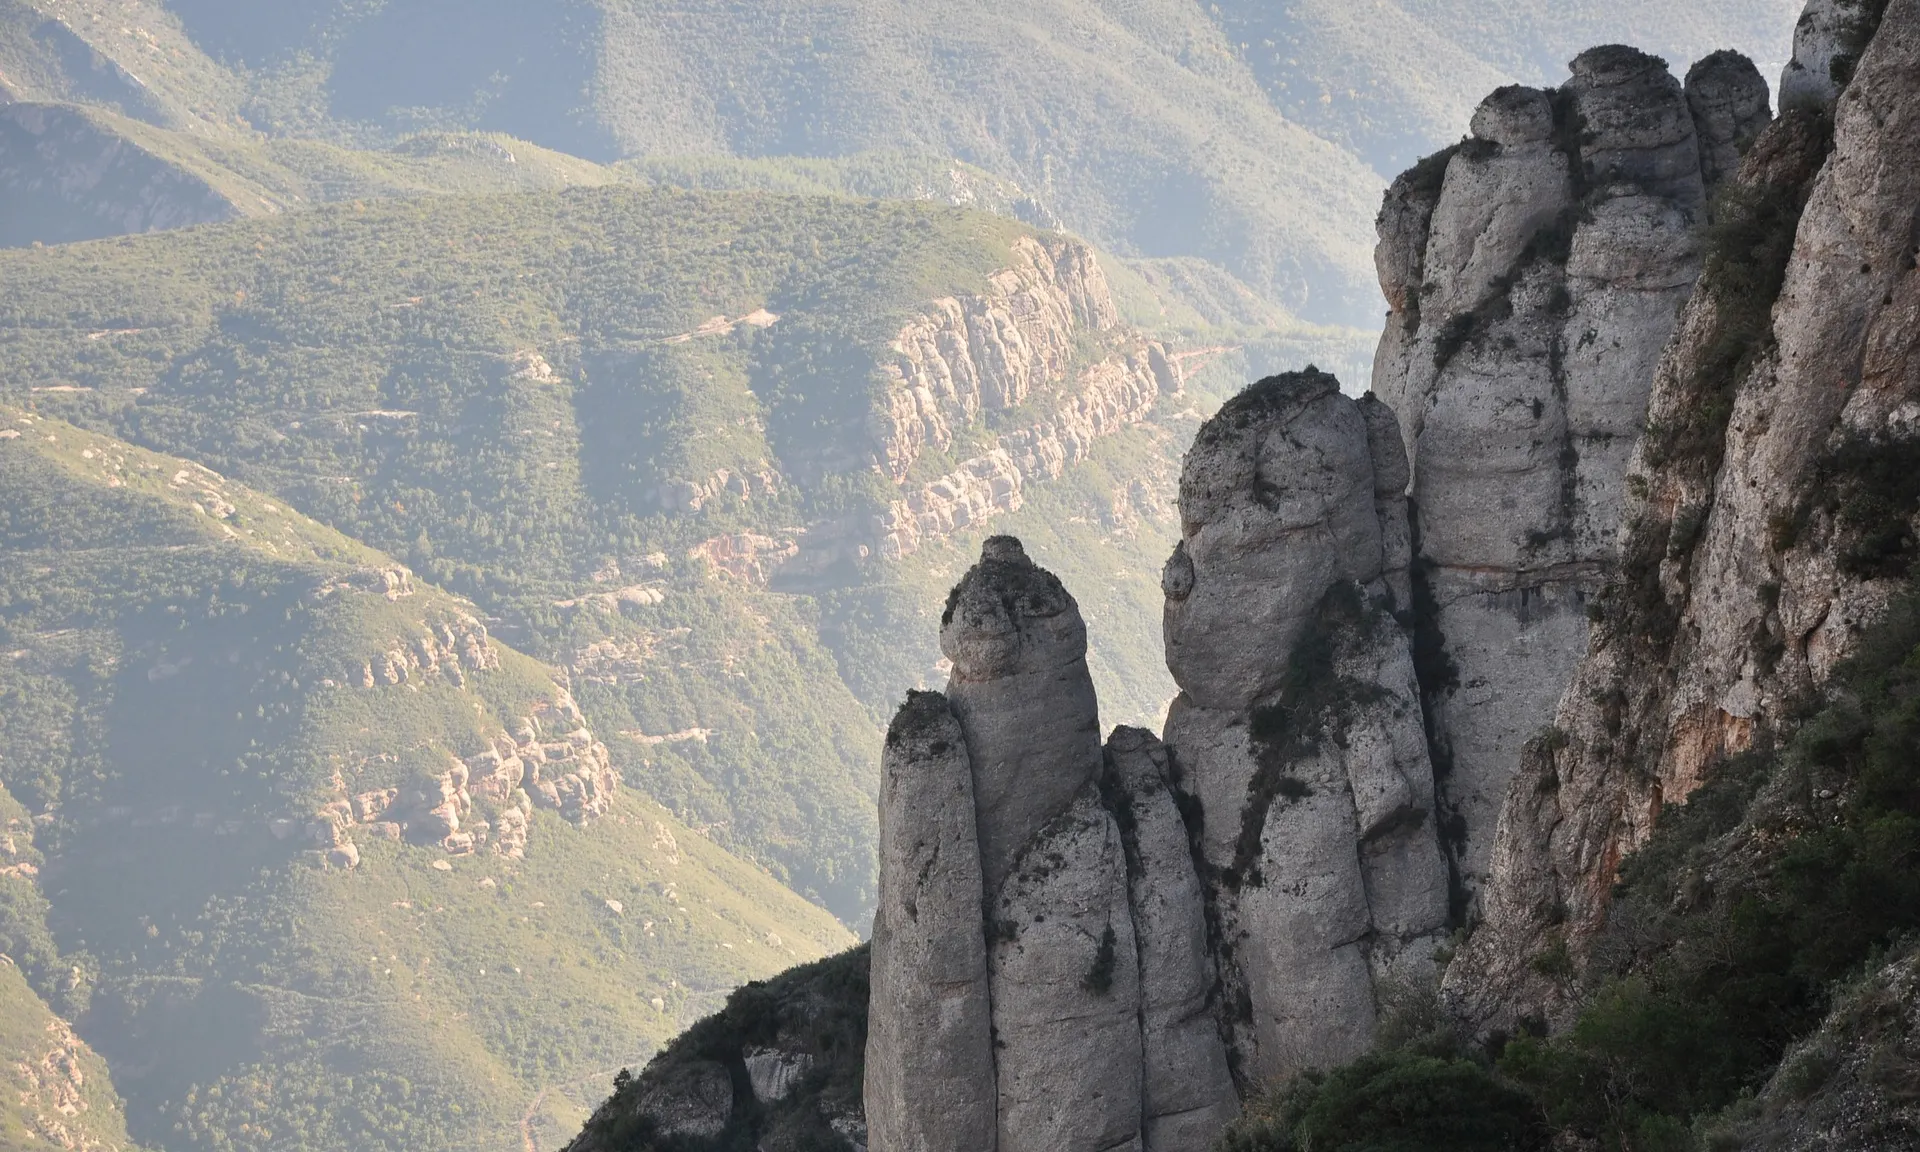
(1024,696)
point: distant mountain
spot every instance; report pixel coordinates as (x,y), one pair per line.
(319,862)
(1253,135)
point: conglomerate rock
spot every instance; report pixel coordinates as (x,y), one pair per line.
(1021,689)
(1298,730)
(1747,574)
(1560,240)
(929,1072)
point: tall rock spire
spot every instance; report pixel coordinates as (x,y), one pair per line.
(1021,689)
(929,1078)
(1535,272)
(1298,730)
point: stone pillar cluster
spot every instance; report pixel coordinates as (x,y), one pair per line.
(1374,604)
(1041,977)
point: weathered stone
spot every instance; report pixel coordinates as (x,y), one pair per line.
(1065,974)
(1299,730)
(1731,106)
(1691,662)
(1187,1093)
(1023,695)
(1276,504)
(1521,372)
(930,1060)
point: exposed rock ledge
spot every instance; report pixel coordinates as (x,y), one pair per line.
(1113,394)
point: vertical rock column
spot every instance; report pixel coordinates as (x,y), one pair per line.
(1535,272)
(1298,731)
(1063,961)
(929,1080)
(1187,1091)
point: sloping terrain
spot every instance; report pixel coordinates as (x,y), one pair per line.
(632,424)
(77,172)
(321,863)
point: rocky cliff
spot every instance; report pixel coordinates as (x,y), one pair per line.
(1013,358)
(1630,520)
(1768,520)
(1534,273)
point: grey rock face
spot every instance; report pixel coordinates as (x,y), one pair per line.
(1828,33)
(1024,697)
(1691,662)
(929,1078)
(1299,729)
(1187,1093)
(1276,504)
(1731,106)
(1066,990)
(1557,253)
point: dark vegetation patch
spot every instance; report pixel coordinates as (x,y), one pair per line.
(1424,1090)
(1099,977)
(1871,488)
(819,1009)
(1856,32)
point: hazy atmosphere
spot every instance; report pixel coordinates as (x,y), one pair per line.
(479,478)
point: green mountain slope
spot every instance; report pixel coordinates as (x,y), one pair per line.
(80,172)
(234,721)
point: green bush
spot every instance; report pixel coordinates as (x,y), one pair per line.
(1401,1101)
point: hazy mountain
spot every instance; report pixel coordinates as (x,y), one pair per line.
(1254,135)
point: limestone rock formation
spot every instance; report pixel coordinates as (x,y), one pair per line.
(1534,274)
(930,1061)
(1749,570)
(1299,727)
(1035,880)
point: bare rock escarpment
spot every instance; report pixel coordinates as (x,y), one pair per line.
(1756,550)
(1534,274)
(1019,345)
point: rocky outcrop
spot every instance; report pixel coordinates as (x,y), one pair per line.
(1303,751)
(1186,1088)
(1115,393)
(484,801)
(1535,273)
(1097,982)
(1019,344)
(67,178)
(1766,523)
(966,356)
